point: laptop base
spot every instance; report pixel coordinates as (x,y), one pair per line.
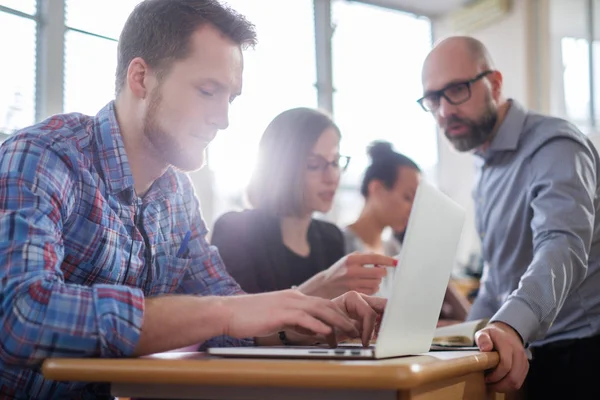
(342,352)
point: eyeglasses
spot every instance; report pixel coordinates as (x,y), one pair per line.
(455,93)
(320,164)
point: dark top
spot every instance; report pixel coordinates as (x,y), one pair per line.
(252,248)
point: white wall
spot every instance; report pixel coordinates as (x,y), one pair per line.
(508,41)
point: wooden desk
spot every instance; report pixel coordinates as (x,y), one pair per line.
(440,375)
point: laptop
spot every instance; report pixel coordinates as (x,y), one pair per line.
(422,275)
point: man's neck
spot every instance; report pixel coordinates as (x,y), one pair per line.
(144,161)
(503,108)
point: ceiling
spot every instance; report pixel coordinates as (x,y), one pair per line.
(429,8)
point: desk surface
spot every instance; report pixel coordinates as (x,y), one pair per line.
(200,369)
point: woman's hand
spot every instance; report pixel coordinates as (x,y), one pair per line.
(360,272)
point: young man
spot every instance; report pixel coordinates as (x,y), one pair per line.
(536,199)
(102,244)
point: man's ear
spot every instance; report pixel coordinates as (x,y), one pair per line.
(496,81)
(138,74)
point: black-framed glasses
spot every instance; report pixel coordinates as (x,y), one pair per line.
(319,164)
(455,93)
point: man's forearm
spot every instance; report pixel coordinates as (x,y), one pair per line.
(172,322)
(557,268)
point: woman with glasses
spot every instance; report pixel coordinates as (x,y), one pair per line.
(278,244)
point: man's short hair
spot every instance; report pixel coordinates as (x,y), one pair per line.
(159,31)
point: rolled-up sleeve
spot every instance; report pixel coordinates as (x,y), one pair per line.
(562,188)
(42,316)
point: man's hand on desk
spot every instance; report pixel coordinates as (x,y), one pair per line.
(510,373)
(351,315)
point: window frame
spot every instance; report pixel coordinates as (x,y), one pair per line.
(36,19)
(50,65)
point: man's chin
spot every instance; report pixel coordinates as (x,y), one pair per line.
(190,164)
(463,144)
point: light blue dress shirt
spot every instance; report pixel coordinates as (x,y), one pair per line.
(536,200)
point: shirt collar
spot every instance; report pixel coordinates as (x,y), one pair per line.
(509,132)
(111,150)
(114,162)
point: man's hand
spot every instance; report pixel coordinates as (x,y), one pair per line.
(366,311)
(349,273)
(510,373)
(265,314)
(308,319)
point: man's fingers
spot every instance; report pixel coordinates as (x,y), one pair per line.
(359,309)
(376,303)
(303,331)
(330,314)
(511,371)
(305,322)
(332,339)
(503,367)
(506,353)
(370,258)
(484,341)
(515,378)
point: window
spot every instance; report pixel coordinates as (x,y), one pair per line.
(93,28)
(573,39)
(279,74)
(578,90)
(24,6)
(575,58)
(17,75)
(90,64)
(596,65)
(374,70)
(101,17)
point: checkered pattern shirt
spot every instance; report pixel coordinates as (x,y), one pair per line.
(80,251)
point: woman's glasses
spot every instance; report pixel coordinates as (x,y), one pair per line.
(320,164)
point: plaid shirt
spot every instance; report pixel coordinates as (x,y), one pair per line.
(80,251)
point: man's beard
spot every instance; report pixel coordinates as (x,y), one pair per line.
(479,132)
(165,145)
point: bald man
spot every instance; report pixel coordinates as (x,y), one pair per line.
(536,198)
